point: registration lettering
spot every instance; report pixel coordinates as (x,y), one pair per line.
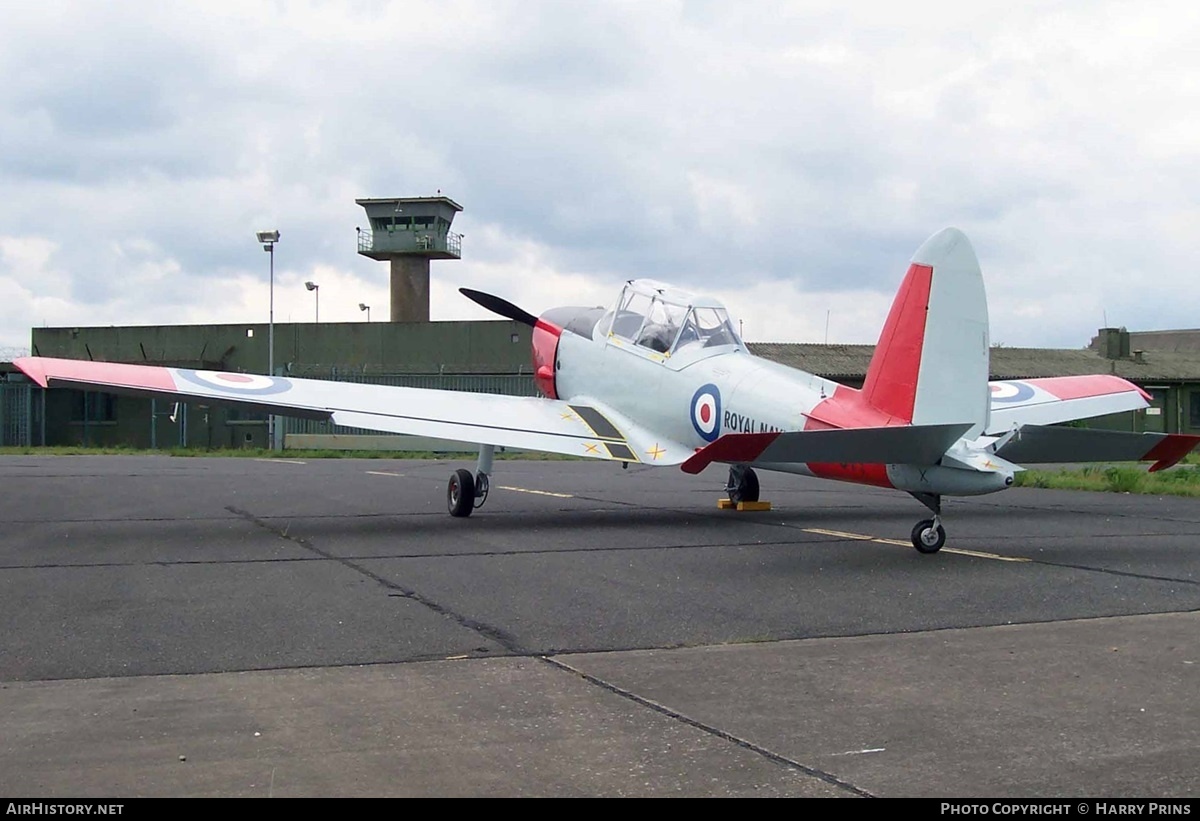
(740,423)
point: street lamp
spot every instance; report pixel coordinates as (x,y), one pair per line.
(268,240)
(362,306)
(316,289)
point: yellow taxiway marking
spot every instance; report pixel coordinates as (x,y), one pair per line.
(383,473)
(537,492)
(864,538)
(839,533)
(980,555)
(283,461)
(863,752)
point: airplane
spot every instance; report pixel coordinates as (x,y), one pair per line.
(662,378)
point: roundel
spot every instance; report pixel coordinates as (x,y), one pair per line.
(248,384)
(706,412)
(1011,391)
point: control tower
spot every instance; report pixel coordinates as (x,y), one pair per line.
(409,232)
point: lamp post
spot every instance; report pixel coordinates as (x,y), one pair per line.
(316,289)
(362,306)
(268,240)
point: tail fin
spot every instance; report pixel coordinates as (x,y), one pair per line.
(931,364)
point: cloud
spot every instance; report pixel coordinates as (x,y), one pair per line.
(791,159)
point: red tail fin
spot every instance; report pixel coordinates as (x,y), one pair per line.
(891,384)
(931,364)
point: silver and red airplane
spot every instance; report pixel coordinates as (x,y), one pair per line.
(662,378)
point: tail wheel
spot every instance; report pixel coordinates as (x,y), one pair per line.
(460,493)
(928,536)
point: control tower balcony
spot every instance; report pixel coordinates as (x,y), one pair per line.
(409,227)
(388,241)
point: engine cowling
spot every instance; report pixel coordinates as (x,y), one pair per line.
(545,352)
(547,330)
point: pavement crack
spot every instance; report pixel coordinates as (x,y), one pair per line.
(745,744)
(506,641)
(1113,572)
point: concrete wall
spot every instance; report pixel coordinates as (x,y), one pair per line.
(396,353)
(381,347)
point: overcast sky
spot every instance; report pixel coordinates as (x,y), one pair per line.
(787,157)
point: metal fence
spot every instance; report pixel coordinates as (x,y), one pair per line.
(19,415)
(22,405)
(507,384)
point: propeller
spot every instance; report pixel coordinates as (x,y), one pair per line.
(500,306)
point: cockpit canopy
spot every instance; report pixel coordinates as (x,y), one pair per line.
(667,320)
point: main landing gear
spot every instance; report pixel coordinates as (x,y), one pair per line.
(742,485)
(928,535)
(466,492)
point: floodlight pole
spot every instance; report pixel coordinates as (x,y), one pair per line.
(268,240)
(270,248)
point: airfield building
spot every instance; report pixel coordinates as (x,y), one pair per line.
(489,356)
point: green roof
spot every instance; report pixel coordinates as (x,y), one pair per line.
(851,361)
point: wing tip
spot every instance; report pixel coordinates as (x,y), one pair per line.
(32,367)
(1171,450)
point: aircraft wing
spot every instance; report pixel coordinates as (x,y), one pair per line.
(901,444)
(1060,399)
(581,428)
(1033,445)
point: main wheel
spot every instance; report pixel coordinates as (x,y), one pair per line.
(460,493)
(928,537)
(482,484)
(742,485)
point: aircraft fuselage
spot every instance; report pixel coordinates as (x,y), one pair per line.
(694,396)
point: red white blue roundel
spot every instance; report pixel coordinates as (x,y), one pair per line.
(706,412)
(1011,391)
(245,384)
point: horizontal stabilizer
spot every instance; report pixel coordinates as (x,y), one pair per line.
(908,445)
(1041,445)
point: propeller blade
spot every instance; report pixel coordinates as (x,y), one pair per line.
(499,306)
